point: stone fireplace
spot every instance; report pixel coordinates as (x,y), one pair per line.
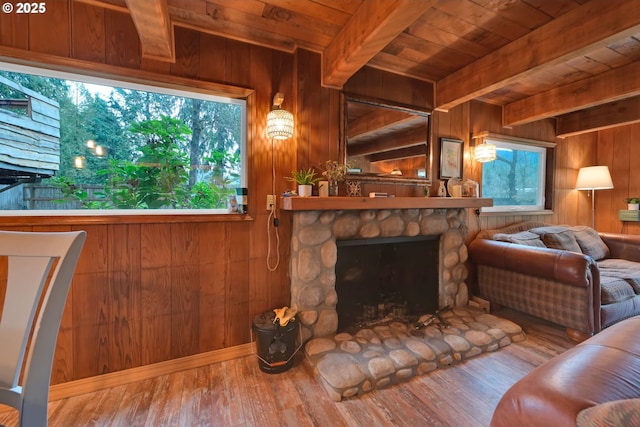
(314,255)
(378,355)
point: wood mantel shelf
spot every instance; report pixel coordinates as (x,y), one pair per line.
(362,203)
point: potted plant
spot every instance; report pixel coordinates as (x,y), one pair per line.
(633,203)
(305,178)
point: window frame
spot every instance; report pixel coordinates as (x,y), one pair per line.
(547,174)
(142,80)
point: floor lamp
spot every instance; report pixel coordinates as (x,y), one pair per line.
(594,178)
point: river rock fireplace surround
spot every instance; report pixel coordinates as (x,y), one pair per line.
(319,222)
(388,351)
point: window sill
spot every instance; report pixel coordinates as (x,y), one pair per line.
(77,217)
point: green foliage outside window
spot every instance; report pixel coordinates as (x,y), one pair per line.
(158,179)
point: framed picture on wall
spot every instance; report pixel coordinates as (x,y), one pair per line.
(450,158)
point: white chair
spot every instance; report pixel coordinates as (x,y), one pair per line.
(38,273)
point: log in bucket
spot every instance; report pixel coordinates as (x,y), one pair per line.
(275,345)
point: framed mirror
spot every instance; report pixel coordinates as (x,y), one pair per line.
(385,142)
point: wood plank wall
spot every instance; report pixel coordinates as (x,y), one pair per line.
(619,149)
(615,148)
(150,290)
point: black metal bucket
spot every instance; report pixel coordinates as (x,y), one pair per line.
(275,345)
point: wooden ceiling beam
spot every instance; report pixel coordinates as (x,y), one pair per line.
(611,86)
(603,116)
(153,23)
(374,25)
(590,26)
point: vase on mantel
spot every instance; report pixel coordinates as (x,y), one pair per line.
(442,190)
(333,188)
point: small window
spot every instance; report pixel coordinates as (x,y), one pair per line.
(517,179)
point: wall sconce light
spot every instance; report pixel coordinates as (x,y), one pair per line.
(78,162)
(279,126)
(485,152)
(594,178)
(279,121)
(396,172)
(99,150)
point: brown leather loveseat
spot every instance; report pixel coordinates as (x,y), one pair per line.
(596,383)
(571,276)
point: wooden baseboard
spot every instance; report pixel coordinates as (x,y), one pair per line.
(99,382)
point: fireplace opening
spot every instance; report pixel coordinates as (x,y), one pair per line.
(386,279)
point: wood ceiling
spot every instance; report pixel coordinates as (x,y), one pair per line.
(575,60)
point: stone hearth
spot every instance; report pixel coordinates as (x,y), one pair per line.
(314,255)
(374,358)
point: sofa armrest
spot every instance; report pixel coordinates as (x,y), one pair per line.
(563,266)
(622,246)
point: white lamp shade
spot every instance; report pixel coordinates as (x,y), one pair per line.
(279,124)
(594,178)
(485,152)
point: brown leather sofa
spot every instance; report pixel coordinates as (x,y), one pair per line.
(595,383)
(569,288)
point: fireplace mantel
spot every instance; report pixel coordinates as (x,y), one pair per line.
(363,203)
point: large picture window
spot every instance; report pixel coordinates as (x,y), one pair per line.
(517,179)
(81,143)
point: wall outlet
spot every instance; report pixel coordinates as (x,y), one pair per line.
(271,202)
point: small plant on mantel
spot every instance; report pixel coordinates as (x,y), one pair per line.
(303,177)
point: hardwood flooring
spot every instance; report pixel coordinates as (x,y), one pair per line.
(237,393)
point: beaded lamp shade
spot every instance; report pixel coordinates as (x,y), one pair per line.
(485,152)
(279,124)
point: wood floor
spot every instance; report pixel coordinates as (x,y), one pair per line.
(237,393)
